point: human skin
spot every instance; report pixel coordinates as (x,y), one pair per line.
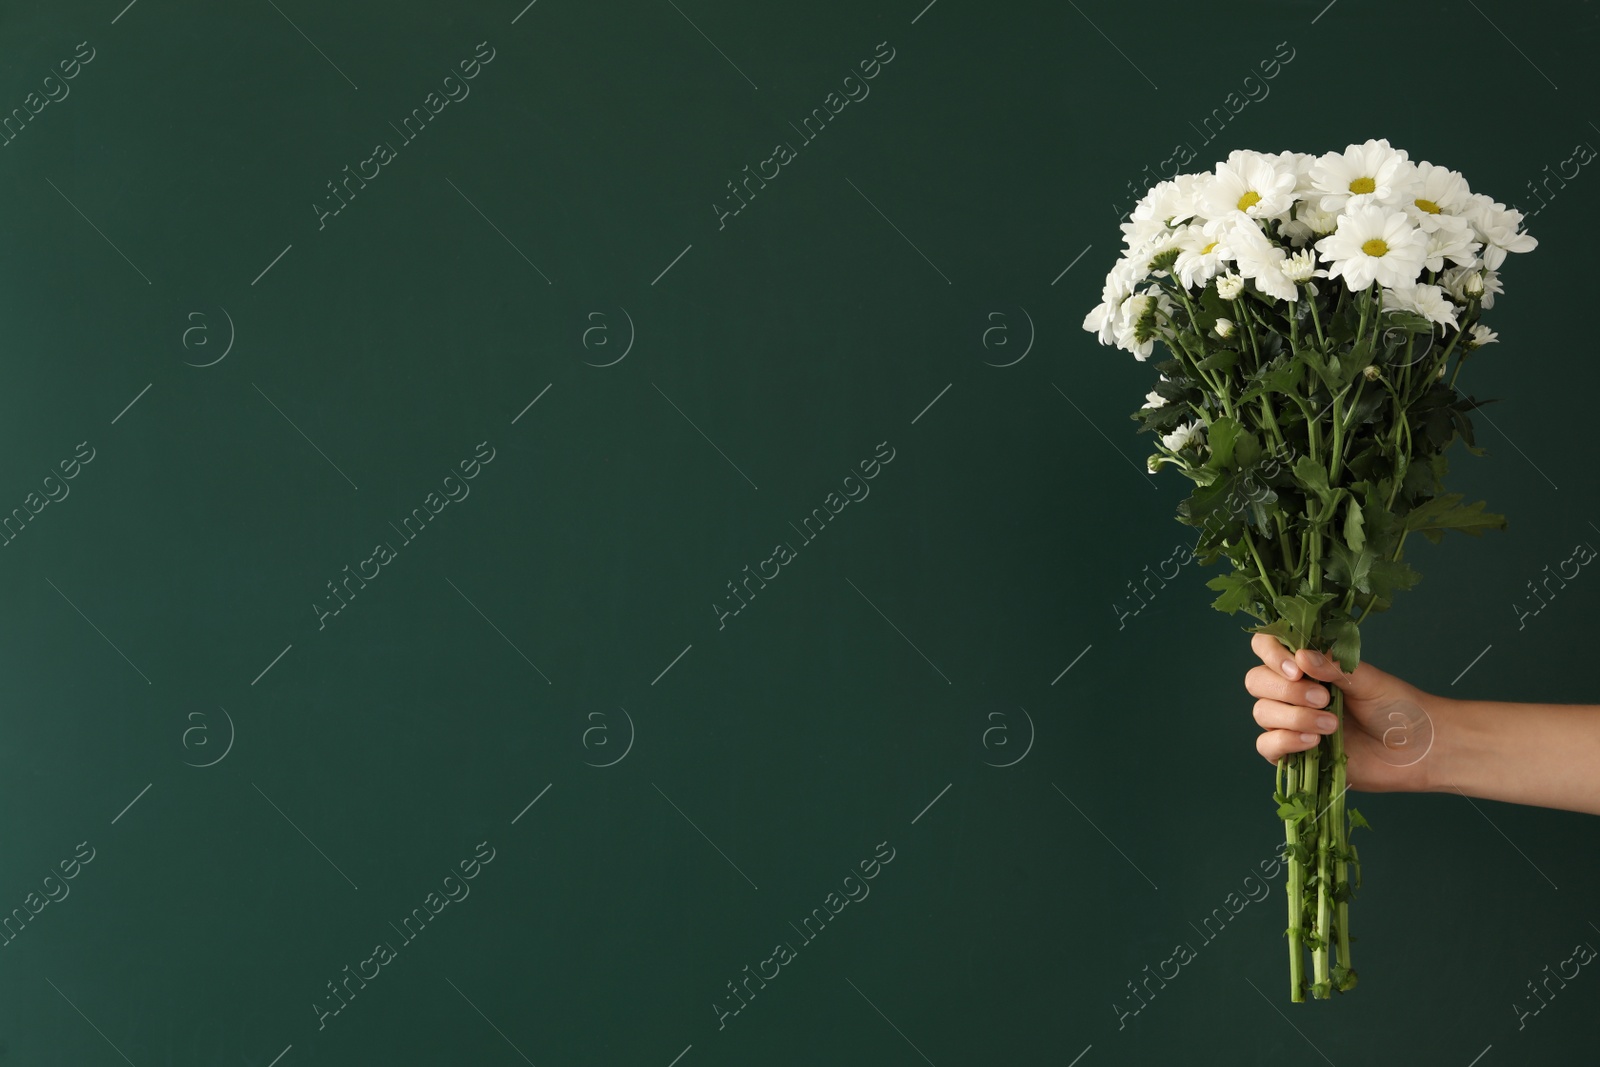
(1399,738)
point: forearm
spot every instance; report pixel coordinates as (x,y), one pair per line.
(1542,754)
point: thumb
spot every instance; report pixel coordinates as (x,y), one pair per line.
(1366,682)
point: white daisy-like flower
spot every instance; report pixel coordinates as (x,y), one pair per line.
(1370,173)
(1261,260)
(1299,164)
(1229,286)
(1248,183)
(1454,242)
(1309,222)
(1498,226)
(1481,335)
(1202,255)
(1224,328)
(1440,196)
(1165,241)
(1428,301)
(1462,283)
(1189,433)
(1169,201)
(1118,287)
(1153,399)
(1127,325)
(1374,243)
(1302,266)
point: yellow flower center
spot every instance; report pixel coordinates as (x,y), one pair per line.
(1249,200)
(1429,206)
(1207,249)
(1363,185)
(1375,247)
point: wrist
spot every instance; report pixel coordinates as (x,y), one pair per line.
(1451,757)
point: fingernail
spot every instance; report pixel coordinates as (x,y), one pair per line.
(1309,738)
(1317,659)
(1327,723)
(1317,697)
(1290,669)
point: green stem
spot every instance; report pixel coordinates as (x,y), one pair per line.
(1261,567)
(1341,830)
(1294,881)
(1324,922)
(1316,320)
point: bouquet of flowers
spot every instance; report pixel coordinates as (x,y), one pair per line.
(1311,307)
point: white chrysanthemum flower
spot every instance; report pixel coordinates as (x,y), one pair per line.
(1229,286)
(1258,258)
(1167,202)
(1426,300)
(1189,433)
(1202,255)
(1440,195)
(1309,222)
(1453,241)
(1374,243)
(1224,328)
(1481,335)
(1248,183)
(1302,267)
(1463,282)
(1498,227)
(1370,173)
(1118,287)
(1165,241)
(1125,322)
(1126,326)
(1298,164)
(1153,399)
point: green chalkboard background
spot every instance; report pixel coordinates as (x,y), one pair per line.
(551,673)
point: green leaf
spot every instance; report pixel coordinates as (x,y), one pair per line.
(1281,630)
(1387,575)
(1345,638)
(1357,359)
(1407,321)
(1221,360)
(1221,435)
(1356,821)
(1355,534)
(1448,513)
(1301,612)
(1294,810)
(1313,478)
(1247,450)
(1238,592)
(1325,368)
(1283,376)
(1347,567)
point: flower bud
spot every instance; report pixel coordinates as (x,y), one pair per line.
(1229,286)
(1371,372)
(1224,328)
(1473,284)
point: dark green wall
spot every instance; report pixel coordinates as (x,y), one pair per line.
(566,606)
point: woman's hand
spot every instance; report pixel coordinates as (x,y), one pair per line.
(1389,724)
